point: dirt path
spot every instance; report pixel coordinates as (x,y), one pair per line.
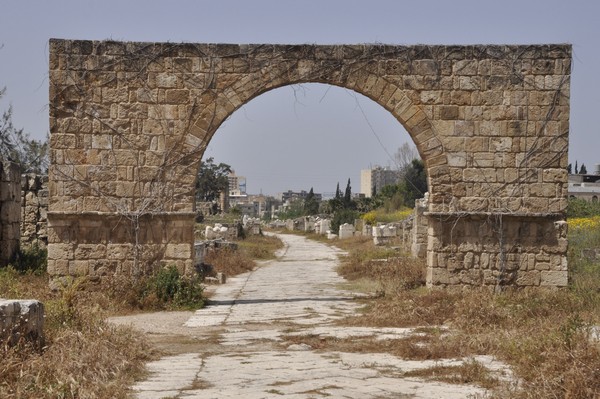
(256,339)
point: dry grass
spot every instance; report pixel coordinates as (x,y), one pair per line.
(84,357)
(234,262)
(429,346)
(469,372)
(544,335)
(260,247)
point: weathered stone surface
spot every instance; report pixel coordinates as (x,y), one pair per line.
(131,129)
(34,210)
(10,215)
(21,320)
(346,231)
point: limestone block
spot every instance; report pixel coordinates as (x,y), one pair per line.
(440,277)
(346,231)
(465,67)
(60,252)
(177,96)
(79,267)
(178,251)
(325,226)
(118,251)
(553,278)
(90,251)
(21,320)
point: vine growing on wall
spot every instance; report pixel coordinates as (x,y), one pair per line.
(129,72)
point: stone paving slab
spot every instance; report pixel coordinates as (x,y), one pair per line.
(297,294)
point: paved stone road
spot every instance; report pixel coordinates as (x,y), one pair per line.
(239,347)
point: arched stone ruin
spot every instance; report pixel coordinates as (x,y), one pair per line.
(130,122)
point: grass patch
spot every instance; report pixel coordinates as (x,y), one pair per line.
(544,335)
(260,247)
(234,262)
(84,357)
(469,372)
(430,346)
(392,271)
(168,289)
(381,216)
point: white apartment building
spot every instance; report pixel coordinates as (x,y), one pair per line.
(373,180)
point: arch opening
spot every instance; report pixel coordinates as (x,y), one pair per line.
(313,135)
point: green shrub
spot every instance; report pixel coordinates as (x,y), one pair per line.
(8,282)
(578,208)
(169,289)
(31,259)
(342,216)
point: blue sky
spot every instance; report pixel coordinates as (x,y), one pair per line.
(341,132)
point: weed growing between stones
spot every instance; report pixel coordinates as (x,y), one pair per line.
(469,372)
(32,258)
(548,337)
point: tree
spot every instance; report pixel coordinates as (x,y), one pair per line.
(212,180)
(293,210)
(569,169)
(414,184)
(311,205)
(348,195)
(342,207)
(16,145)
(404,156)
(576,168)
(337,202)
(583,169)
(342,216)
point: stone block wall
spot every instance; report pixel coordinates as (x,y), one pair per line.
(130,122)
(419,235)
(100,245)
(10,210)
(34,210)
(497,250)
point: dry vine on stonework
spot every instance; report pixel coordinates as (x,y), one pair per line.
(150,197)
(533,159)
(76,99)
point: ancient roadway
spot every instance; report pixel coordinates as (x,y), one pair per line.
(248,342)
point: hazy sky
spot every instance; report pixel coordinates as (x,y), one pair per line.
(314,135)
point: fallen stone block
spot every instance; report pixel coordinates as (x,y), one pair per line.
(22,320)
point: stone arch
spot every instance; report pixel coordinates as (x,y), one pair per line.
(130,121)
(395,101)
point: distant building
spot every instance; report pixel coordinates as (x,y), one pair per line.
(585,187)
(264,204)
(237,184)
(290,195)
(373,180)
